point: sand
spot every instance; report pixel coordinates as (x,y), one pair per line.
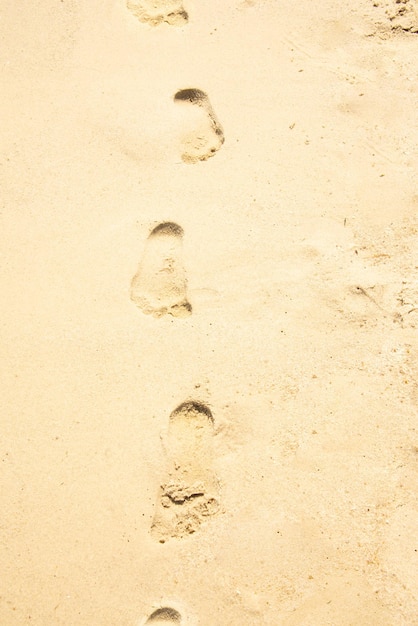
(213,422)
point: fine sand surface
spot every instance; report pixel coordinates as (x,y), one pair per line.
(209,274)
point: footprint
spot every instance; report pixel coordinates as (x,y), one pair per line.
(206,136)
(156,12)
(190,493)
(160,287)
(164,615)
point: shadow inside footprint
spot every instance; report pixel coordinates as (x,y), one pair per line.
(154,12)
(164,615)
(190,493)
(160,286)
(206,136)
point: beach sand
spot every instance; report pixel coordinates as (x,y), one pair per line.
(230,438)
